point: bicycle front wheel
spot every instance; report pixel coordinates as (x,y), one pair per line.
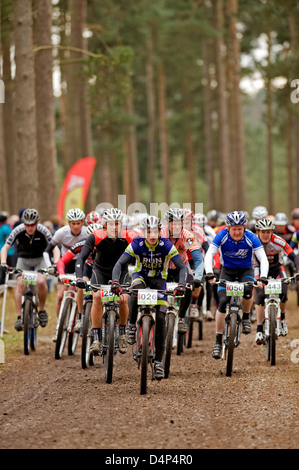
(272,338)
(232,330)
(62,329)
(110,346)
(86,338)
(168,343)
(73,337)
(28,327)
(144,353)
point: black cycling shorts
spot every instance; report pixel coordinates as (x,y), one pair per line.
(237,275)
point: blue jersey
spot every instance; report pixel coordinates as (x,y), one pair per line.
(152,261)
(236,254)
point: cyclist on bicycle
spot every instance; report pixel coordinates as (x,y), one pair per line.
(31,239)
(152,254)
(237,246)
(65,237)
(186,244)
(275,247)
(87,270)
(109,244)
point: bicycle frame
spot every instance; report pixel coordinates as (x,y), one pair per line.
(150,312)
(234,307)
(70,293)
(109,303)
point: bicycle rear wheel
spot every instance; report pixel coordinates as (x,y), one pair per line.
(190,333)
(62,329)
(168,344)
(86,337)
(27,319)
(110,328)
(232,329)
(144,353)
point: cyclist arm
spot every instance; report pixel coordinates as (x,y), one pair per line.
(66,258)
(84,253)
(263,260)
(205,246)
(208,261)
(4,251)
(48,252)
(295,258)
(183,271)
(198,263)
(120,265)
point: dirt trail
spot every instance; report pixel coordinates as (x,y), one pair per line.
(197,407)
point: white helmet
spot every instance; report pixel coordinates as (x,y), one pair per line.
(200,219)
(30,216)
(264,224)
(73,215)
(112,215)
(280,219)
(151,221)
(92,227)
(259,212)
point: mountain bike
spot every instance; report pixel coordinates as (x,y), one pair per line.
(30,303)
(171,327)
(67,318)
(233,320)
(272,320)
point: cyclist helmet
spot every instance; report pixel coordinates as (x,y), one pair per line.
(236,218)
(259,212)
(188,214)
(280,218)
(295,213)
(200,219)
(30,216)
(174,214)
(112,215)
(73,215)
(151,221)
(264,224)
(213,215)
(92,217)
(92,227)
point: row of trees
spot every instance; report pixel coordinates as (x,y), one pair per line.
(152,90)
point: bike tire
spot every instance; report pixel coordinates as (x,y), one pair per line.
(62,329)
(86,337)
(109,356)
(73,337)
(145,332)
(168,344)
(190,334)
(232,329)
(27,315)
(180,343)
(272,316)
(200,328)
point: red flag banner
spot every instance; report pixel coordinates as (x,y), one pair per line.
(75,186)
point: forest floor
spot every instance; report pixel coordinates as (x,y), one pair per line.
(55,404)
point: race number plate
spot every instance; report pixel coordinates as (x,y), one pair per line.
(29,277)
(234,289)
(107,295)
(147,297)
(273,287)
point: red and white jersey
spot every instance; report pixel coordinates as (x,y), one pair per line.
(199,233)
(186,242)
(275,249)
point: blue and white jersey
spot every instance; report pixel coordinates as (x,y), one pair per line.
(152,261)
(236,254)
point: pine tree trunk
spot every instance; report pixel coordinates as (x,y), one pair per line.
(163,132)
(269,135)
(151,120)
(25,106)
(8,127)
(46,145)
(133,160)
(223,143)
(209,154)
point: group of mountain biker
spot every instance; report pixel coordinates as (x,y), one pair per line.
(178,250)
